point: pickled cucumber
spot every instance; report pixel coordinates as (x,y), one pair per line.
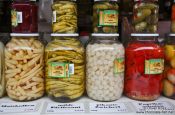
(105,17)
(145,17)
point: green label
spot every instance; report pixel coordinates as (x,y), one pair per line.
(60,70)
(119,65)
(154,66)
(108,18)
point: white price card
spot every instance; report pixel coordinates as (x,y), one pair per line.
(154,108)
(18,107)
(107,107)
(53,108)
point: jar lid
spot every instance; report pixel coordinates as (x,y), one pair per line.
(144,34)
(105,0)
(172,34)
(145,0)
(59,34)
(24,34)
(104,35)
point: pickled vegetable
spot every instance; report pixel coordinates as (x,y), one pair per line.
(145,17)
(65,69)
(24,67)
(144,69)
(24,17)
(169,78)
(64,17)
(105,17)
(2,72)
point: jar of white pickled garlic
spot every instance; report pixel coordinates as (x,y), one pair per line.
(24,67)
(105,67)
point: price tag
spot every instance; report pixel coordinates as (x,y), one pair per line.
(154,108)
(108,108)
(53,108)
(18,107)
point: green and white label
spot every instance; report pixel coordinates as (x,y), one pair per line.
(60,70)
(108,18)
(119,65)
(154,66)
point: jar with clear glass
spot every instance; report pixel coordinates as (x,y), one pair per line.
(2,70)
(105,64)
(169,77)
(24,16)
(144,67)
(24,67)
(173,18)
(145,16)
(65,68)
(105,16)
(64,18)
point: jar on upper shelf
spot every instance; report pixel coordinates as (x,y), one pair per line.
(24,67)
(105,16)
(105,67)
(169,76)
(145,16)
(24,16)
(65,68)
(64,18)
(144,65)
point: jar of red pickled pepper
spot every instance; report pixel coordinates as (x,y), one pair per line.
(173,17)
(169,76)
(144,67)
(24,16)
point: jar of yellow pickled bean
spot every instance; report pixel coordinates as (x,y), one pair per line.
(64,18)
(65,68)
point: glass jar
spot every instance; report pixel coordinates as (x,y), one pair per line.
(144,67)
(5,17)
(2,70)
(64,16)
(24,17)
(65,68)
(105,67)
(24,67)
(169,77)
(145,16)
(173,18)
(105,16)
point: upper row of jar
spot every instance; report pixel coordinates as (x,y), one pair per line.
(105,16)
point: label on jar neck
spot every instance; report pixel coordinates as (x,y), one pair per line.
(119,65)
(16,18)
(108,18)
(154,66)
(60,70)
(54,17)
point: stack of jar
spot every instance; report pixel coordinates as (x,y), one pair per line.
(64,55)
(144,57)
(24,64)
(105,54)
